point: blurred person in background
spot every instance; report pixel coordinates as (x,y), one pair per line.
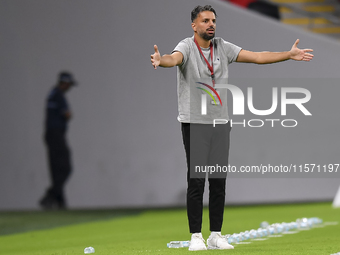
(58,115)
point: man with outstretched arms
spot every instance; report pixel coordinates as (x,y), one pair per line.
(202,62)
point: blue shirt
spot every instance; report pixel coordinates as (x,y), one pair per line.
(56,106)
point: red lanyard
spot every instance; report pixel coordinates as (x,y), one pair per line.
(211,67)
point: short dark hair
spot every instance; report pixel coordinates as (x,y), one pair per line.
(199,9)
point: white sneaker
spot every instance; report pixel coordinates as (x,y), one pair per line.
(217,241)
(197,243)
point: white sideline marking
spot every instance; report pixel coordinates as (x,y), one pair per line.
(331,223)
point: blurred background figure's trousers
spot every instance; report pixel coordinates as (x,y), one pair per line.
(59,162)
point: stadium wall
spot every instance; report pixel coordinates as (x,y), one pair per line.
(126,142)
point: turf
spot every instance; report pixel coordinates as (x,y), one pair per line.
(149,231)
(15,222)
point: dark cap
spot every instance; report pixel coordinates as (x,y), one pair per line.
(67,77)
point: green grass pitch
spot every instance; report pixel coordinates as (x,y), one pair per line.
(148,231)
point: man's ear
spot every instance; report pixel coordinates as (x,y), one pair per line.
(193,25)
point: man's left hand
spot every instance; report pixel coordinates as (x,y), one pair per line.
(300,55)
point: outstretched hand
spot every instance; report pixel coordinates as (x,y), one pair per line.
(156,57)
(300,55)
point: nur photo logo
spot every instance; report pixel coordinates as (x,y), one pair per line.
(279,100)
(204,97)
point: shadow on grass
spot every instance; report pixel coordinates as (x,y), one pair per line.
(18,222)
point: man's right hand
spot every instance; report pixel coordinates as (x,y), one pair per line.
(68,115)
(174,59)
(156,57)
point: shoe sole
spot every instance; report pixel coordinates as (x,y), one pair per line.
(217,248)
(198,249)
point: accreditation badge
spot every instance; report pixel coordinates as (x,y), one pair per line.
(215,100)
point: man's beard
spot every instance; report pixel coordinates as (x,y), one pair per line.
(207,37)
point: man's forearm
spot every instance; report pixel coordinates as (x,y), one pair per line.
(267,57)
(167,61)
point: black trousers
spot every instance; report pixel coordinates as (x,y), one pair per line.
(59,160)
(206,146)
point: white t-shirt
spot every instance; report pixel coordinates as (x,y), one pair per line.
(194,69)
